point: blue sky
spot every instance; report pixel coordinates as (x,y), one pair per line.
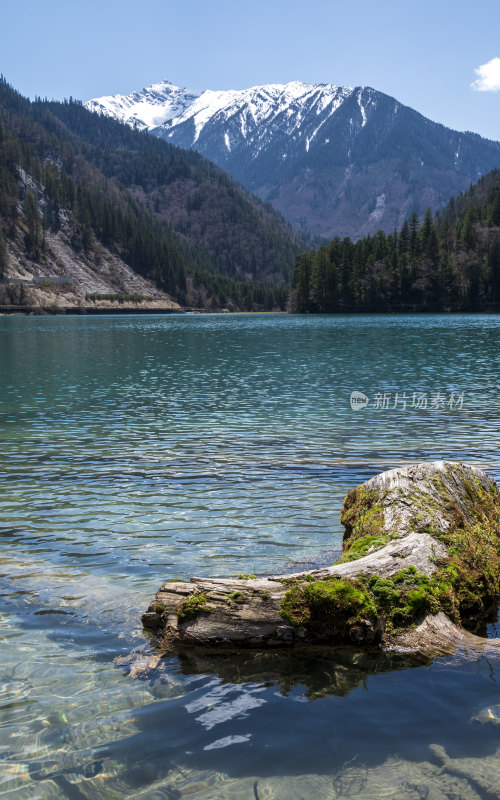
(425,54)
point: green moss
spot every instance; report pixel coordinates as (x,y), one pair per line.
(235,597)
(242,577)
(470,579)
(405,597)
(329,607)
(364,545)
(363,513)
(363,519)
(194,604)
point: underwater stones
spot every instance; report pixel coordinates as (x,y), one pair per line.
(395,778)
(421,553)
(482,772)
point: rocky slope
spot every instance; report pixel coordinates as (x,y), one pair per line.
(67,279)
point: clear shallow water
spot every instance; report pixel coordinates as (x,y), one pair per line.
(136,449)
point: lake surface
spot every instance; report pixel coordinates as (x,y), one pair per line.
(137,449)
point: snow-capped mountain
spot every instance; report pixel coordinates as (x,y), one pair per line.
(146,109)
(170,106)
(333,160)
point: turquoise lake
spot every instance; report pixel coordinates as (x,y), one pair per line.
(135,449)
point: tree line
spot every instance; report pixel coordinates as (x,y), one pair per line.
(449,261)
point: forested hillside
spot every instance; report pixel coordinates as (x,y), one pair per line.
(449,261)
(101,188)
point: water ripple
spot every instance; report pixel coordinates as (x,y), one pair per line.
(140,449)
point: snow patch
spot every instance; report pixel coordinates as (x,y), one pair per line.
(378,211)
(362,109)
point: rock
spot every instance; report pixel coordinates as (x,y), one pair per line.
(485,771)
(395,778)
(421,553)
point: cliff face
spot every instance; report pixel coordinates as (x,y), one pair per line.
(421,554)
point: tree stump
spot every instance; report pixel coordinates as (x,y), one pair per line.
(421,556)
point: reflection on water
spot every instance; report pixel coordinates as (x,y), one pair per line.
(317,671)
(136,450)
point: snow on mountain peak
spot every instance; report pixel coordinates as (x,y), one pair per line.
(170,107)
(147,108)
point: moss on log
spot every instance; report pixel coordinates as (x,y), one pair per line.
(421,558)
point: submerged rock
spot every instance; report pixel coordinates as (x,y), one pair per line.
(421,554)
(483,772)
(395,778)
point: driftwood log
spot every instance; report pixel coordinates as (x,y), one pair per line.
(421,555)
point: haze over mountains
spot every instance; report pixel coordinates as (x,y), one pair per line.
(333,160)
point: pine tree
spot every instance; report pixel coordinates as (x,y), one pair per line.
(429,243)
(494,269)
(301,283)
(495,208)
(318,287)
(414,226)
(468,236)
(404,238)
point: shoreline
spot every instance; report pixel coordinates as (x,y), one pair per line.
(30,311)
(33,311)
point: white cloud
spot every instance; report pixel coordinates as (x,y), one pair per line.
(488,79)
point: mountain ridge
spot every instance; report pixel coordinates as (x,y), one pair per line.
(333,160)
